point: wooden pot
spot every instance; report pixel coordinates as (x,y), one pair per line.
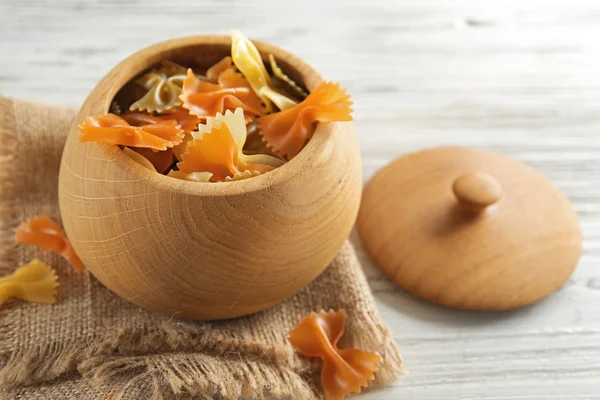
(207,250)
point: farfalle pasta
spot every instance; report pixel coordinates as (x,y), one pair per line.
(217,148)
(206,99)
(238,129)
(213,73)
(236,119)
(242,175)
(163,88)
(287,131)
(43,232)
(191,176)
(343,371)
(140,159)
(281,76)
(248,60)
(112,129)
(160,160)
(187,122)
(34,282)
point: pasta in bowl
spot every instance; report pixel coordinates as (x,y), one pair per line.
(181,242)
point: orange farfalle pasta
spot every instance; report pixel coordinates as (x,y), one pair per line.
(160,160)
(213,72)
(189,110)
(217,149)
(112,129)
(344,371)
(215,153)
(186,121)
(43,232)
(138,158)
(35,282)
(206,99)
(287,131)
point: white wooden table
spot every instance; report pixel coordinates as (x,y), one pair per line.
(517,77)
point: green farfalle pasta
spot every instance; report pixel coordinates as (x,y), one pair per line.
(163,88)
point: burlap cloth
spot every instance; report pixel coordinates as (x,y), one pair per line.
(94,345)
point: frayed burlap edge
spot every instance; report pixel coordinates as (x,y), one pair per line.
(172,362)
(8,207)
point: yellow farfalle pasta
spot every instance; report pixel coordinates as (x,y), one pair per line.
(192,176)
(242,175)
(248,60)
(35,282)
(163,88)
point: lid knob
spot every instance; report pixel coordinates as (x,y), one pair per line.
(476,190)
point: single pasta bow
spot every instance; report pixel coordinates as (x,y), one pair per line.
(344,371)
(186,121)
(43,232)
(163,88)
(206,99)
(161,161)
(287,131)
(35,282)
(248,60)
(112,129)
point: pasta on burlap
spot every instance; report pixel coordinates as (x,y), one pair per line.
(94,345)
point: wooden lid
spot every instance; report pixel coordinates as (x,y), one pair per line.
(469,229)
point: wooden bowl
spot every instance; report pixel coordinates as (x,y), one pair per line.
(207,250)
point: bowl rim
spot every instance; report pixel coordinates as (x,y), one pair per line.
(313,150)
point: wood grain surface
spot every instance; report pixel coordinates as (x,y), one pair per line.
(518,77)
(424,221)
